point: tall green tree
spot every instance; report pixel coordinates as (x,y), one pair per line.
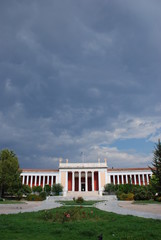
(10,180)
(156,169)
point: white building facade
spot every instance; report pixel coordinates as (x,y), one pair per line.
(85,177)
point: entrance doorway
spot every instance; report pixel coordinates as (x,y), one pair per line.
(83,187)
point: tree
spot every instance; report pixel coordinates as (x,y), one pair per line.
(156,169)
(57,188)
(10,180)
(47,189)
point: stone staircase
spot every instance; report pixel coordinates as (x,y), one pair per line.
(82,194)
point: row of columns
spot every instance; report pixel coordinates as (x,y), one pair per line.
(86,180)
(34,183)
(127,176)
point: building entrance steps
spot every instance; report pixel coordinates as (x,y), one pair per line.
(82,194)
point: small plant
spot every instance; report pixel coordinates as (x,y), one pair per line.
(42,195)
(74,199)
(57,189)
(26,189)
(47,189)
(126,196)
(37,189)
(47,215)
(33,197)
(79,200)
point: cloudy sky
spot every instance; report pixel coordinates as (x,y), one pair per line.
(80,76)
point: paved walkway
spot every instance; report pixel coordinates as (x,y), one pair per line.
(127,208)
(28,206)
(110,204)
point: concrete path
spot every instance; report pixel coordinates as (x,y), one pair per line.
(109,204)
(127,208)
(28,206)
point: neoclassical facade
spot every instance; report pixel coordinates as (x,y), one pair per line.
(85,177)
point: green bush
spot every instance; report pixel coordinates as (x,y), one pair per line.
(57,188)
(1,199)
(143,194)
(26,189)
(79,200)
(37,189)
(42,195)
(126,188)
(158,199)
(110,188)
(126,196)
(47,215)
(33,197)
(47,189)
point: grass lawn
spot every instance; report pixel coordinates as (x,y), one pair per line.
(77,223)
(146,202)
(11,202)
(73,203)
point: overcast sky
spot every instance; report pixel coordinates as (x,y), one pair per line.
(80,76)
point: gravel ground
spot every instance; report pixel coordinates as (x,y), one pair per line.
(110,204)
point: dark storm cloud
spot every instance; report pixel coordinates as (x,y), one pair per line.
(72,73)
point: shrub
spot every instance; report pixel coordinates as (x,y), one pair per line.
(26,189)
(37,189)
(1,199)
(33,197)
(42,195)
(79,200)
(158,199)
(47,189)
(126,196)
(57,188)
(126,188)
(142,194)
(110,188)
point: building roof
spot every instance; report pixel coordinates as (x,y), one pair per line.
(39,170)
(128,169)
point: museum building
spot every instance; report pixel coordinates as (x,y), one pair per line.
(85,177)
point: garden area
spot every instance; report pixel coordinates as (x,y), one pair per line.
(77,223)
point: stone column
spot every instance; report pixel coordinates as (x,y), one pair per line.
(48,179)
(135,179)
(86,180)
(130,178)
(126,179)
(122,179)
(52,180)
(118,180)
(139,179)
(114,180)
(35,180)
(92,181)
(31,181)
(27,182)
(143,179)
(99,183)
(40,180)
(43,181)
(79,181)
(73,181)
(147,178)
(66,187)
(23,179)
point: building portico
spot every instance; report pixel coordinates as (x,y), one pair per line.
(82,177)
